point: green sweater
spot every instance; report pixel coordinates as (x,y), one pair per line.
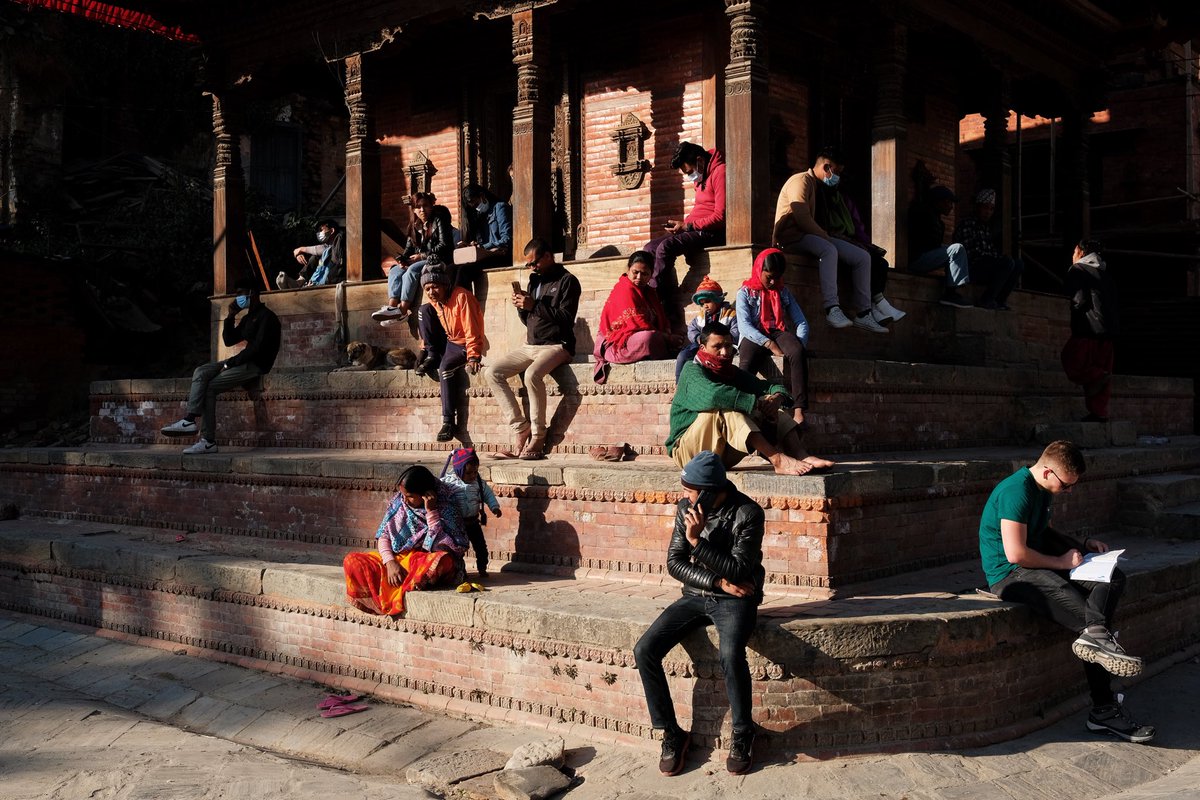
(697,392)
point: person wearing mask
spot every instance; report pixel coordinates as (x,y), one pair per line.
(803,221)
(261,333)
(703,227)
(321,264)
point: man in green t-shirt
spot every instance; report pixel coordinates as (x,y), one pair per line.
(1026,561)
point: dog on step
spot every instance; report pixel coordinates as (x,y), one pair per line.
(364,357)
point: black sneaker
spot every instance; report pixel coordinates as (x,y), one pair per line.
(953,298)
(1102,648)
(446,433)
(674,750)
(741,752)
(1113,719)
(427,366)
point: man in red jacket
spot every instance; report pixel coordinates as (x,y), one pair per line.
(704,227)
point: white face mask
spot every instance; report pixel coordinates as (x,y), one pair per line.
(321,236)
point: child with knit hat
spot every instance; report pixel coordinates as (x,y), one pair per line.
(713,308)
(461,472)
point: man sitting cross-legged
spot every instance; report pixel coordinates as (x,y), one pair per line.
(719,407)
(1026,561)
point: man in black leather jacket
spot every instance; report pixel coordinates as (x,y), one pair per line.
(716,553)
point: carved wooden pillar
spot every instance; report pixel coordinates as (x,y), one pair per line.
(748,198)
(889,147)
(1077,195)
(997,167)
(229,194)
(362,179)
(533,120)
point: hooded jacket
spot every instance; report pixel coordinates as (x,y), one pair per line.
(708,209)
(1093,301)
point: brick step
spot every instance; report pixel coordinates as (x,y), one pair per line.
(871,516)
(1030,335)
(912,662)
(856,406)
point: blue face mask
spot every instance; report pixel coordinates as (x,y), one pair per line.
(693,176)
(832,180)
(243,300)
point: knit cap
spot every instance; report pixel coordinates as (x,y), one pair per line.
(460,458)
(707,290)
(434,274)
(705,471)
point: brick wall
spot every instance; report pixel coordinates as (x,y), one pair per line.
(402,134)
(936,143)
(664,91)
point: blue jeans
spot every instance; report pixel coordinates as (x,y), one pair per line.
(953,257)
(404,283)
(734,617)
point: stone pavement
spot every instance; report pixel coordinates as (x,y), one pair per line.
(86,716)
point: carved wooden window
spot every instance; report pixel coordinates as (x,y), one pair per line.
(631,166)
(420,174)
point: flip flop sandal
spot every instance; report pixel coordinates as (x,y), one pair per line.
(342,710)
(502,455)
(534,451)
(599,452)
(335,700)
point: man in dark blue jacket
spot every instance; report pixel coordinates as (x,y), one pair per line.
(716,553)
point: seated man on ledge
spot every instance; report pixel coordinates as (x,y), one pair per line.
(260,330)
(1026,561)
(321,264)
(719,407)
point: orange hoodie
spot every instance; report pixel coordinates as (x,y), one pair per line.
(462,319)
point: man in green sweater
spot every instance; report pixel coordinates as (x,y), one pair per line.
(724,409)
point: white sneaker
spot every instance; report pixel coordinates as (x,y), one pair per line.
(184,427)
(201,447)
(868,323)
(389,312)
(883,311)
(837,319)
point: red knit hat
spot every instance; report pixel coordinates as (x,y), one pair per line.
(708,290)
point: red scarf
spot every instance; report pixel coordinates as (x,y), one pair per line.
(771,316)
(629,310)
(724,371)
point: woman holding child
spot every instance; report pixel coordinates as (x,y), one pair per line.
(419,545)
(633,324)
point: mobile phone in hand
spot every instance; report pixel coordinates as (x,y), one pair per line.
(704,502)
(517,287)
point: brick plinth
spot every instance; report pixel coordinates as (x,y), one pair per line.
(975,672)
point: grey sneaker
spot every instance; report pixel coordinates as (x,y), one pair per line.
(1102,648)
(674,750)
(741,752)
(201,447)
(868,323)
(184,427)
(837,318)
(1113,719)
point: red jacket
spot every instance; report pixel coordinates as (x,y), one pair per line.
(708,212)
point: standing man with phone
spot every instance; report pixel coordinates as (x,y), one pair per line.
(716,553)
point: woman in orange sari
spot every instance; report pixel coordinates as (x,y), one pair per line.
(633,325)
(419,545)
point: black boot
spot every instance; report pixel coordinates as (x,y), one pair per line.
(447,431)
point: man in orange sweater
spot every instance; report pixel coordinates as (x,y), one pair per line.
(451,326)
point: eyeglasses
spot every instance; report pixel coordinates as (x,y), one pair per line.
(1066,486)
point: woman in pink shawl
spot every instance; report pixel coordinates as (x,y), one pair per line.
(633,325)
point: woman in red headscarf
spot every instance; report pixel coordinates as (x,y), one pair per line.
(633,325)
(771,323)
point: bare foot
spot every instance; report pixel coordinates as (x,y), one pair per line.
(786,465)
(818,462)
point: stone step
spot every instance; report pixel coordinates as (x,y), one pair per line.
(1158,492)
(856,406)
(871,516)
(1114,433)
(1030,335)
(910,662)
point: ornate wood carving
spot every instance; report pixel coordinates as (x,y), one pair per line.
(360,123)
(420,173)
(747,45)
(631,166)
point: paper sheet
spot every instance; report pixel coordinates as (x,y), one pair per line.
(1097,566)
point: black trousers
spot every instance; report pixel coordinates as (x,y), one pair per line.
(752,356)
